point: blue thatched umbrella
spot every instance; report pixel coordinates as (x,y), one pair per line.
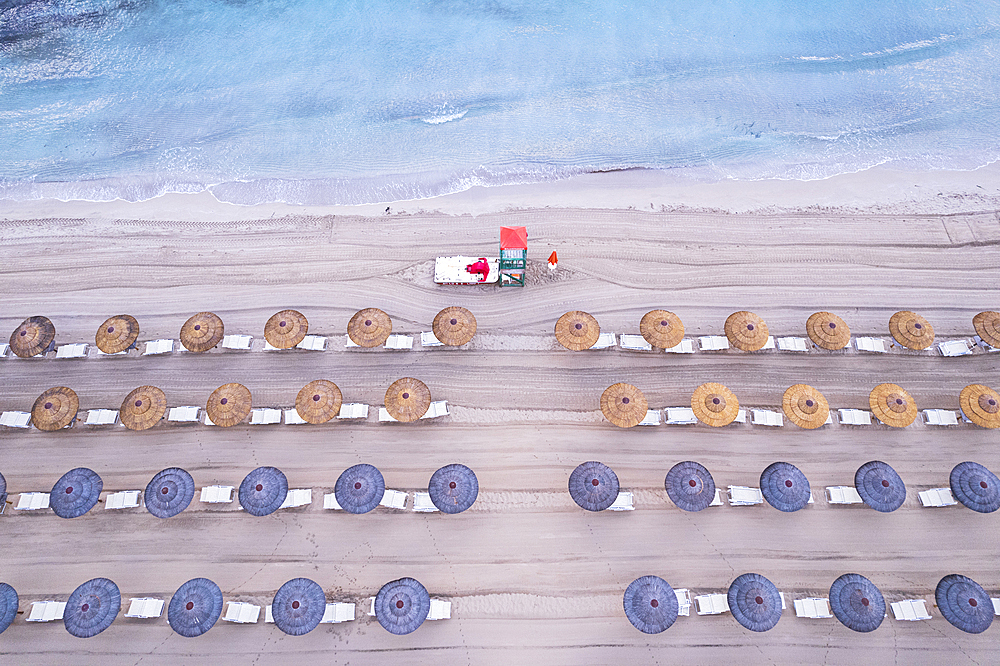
(690,486)
(169,492)
(359,488)
(76,493)
(857,603)
(92,608)
(964,603)
(298,606)
(879,486)
(594,486)
(402,606)
(453,488)
(976,487)
(784,486)
(8,606)
(195,607)
(263,491)
(755,602)
(650,604)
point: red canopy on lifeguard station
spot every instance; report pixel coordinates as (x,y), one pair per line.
(513,256)
(513,238)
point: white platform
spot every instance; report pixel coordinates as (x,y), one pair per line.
(876,345)
(126,499)
(744,496)
(940,417)
(183,414)
(393,499)
(428,339)
(78,350)
(652,418)
(422,503)
(768,418)
(713,342)
(712,604)
(353,411)
(16,419)
(843,495)
(32,502)
(857,417)
(634,343)
(624,502)
(296,498)
(680,416)
(145,608)
(910,610)
(955,348)
(338,612)
(440,610)
(330,502)
(241,612)
(102,416)
(292,417)
(265,416)
(399,342)
(451,270)
(312,343)
(813,608)
(685,346)
(46,611)
(238,342)
(158,347)
(217,494)
(683,601)
(937,497)
(793,344)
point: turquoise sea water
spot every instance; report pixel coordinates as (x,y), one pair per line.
(326,101)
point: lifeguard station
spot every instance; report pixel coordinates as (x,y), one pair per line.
(513,256)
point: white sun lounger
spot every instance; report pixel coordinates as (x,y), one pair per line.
(428,339)
(876,345)
(158,347)
(713,342)
(296,498)
(77,350)
(843,495)
(16,419)
(46,611)
(399,342)
(32,502)
(813,608)
(624,502)
(440,610)
(353,410)
(371,607)
(604,341)
(265,416)
(683,601)
(292,417)
(338,612)
(718,498)
(985,346)
(685,346)
(330,502)
(769,344)
(634,343)
(4,348)
(393,499)
(910,610)
(126,499)
(145,608)
(437,409)
(207,420)
(680,416)
(102,416)
(242,612)
(712,604)
(766,417)
(183,414)
(312,343)
(937,497)
(239,342)
(744,496)
(652,418)
(996,606)
(422,503)
(217,494)
(940,417)
(741,416)
(857,417)
(793,344)
(955,348)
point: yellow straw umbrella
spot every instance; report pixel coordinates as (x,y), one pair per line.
(117,334)
(714,404)
(828,331)
(35,335)
(319,401)
(407,399)
(143,408)
(624,405)
(55,408)
(369,327)
(286,329)
(229,404)
(892,405)
(746,331)
(577,330)
(454,326)
(202,332)
(911,330)
(805,406)
(661,329)
(981,405)
(988,327)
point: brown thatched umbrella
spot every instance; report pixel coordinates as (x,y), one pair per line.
(202,332)
(117,334)
(805,406)
(911,330)
(624,405)
(369,327)
(746,331)
(286,329)
(55,408)
(454,326)
(828,331)
(407,399)
(577,331)
(35,335)
(981,405)
(319,401)
(892,405)
(987,326)
(714,404)
(143,408)
(229,404)
(662,329)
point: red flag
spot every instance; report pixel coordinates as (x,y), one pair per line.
(553,259)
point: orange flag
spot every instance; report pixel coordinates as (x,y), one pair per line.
(553,259)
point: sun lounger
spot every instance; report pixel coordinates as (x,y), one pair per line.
(428,339)
(843,495)
(793,344)
(680,416)
(996,606)
(385,417)
(440,610)
(312,343)
(634,343)
(713,342)
(422,503)
(296,498)
(813,608)
(985,346)
(769,344)
(685,346)
(4,349)
(683,601)
(399,342)
(437,409)
(145,608)
(955,348)
(78,350)
(741,416)
(217,494)
(124,352)
(330,502)
(264,416)
(46,611)
(652,418)
(940,417)
(242,612)
(354,410)
(16,419)
(371,607)
(351,343)
(744,496)
(126,499)
(712,604)
(857,417)
(32,502)
(338,612)
(624,502)
(158,347)
(102,416)
(937,497)
(910,610)
(767,418)
(241,342)
(718,498)
(207,420)
(292,417)
(393,499)
(607,341)
(183,414)
(876,345)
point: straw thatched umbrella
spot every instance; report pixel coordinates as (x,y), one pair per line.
(755,602)
(75,493)
(577,331)
(911,330)
(92,607)
(286,329)
(117,334)
(453,488)
(981,405)
(319,401)
(892,405)
(975,486)
(369,327)
(407,399)
(714,404)
(746,331)
(624,405)
(263,491)
(661,329)
(229,404)
(594,486)
(35,335)
(8,606)
(169,492)
(454,326)
(879,486)
(298,606)
(55,408)
(690,486)
(402,606)
(828,331)
(195,607)
(202,332)
(805,406)
(857,603)
(143,408)
(650,604)
(359,488)
(987,325)
(964,603)
(785,487)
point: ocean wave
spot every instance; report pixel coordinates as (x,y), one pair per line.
(437,120)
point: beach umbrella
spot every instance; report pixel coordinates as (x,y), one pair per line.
(690,486)
(454,326)
(369,327)
(964,603)
(987,325)
(594,486)
(911,330)
(805,406)
(650,604)
(195,607)
(117,334)
(286,329)
(402,606)
(319,401)
(143,408)
(857,603)
(263,491)
(8,606)
(746,331)
(92,608)
(298,606)
(624,405)
(55,408)
(76,492)
(202,332)
(879,486)
(975,486)
(359,488)
(169,492)
(453,488)
(577,331)
(981,405)
(892,405)
(229,404)
(828,331)
(755,602)
(714,404)
(785,487)
(35,335)
(661,329)
(407,399)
